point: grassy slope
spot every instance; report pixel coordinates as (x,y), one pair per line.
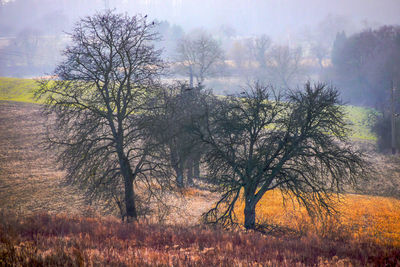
(360,119)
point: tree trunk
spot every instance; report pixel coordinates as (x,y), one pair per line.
(130,201)
(196,165)
(129,193)
(250,214)
(190,77)
(250,207)
(189,171)
(179,176)
(177,165)
(320,63)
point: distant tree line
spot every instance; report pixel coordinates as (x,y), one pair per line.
(366,65)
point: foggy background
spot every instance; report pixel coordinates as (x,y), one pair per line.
(283,42)
(283,19)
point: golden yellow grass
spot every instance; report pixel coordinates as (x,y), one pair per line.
(361,216)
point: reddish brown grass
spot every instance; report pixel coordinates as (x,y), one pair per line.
(43,239)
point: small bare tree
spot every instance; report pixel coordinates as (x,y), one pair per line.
(100,97)
(258,48)
(200,55)
(257,142)
(179,104)
(284,65)
(320,52)
(27,44)
(238,54)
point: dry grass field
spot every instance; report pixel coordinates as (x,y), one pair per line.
(358,217)
(29,178)
(44,223)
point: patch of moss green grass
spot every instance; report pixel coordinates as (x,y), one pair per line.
(16,89)
(360,122)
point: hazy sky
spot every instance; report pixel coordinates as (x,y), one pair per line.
(276,18)
(266,16)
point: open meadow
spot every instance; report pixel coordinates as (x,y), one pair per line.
(46,223)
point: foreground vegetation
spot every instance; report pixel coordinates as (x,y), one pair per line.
(60,240)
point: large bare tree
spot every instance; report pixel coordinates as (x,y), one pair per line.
(258,141)
(99,96)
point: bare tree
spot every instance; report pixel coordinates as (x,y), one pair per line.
(284,65)
(257,142)
(100,97)
(238,54)
(258,49)
(200,55)
(320,52)
(179,103)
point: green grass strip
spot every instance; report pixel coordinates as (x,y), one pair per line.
(360,119)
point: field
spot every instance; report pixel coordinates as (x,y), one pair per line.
(43,222)
(29,178)
(360,120)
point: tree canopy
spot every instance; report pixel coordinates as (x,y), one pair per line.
(99,98)
(260,141)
